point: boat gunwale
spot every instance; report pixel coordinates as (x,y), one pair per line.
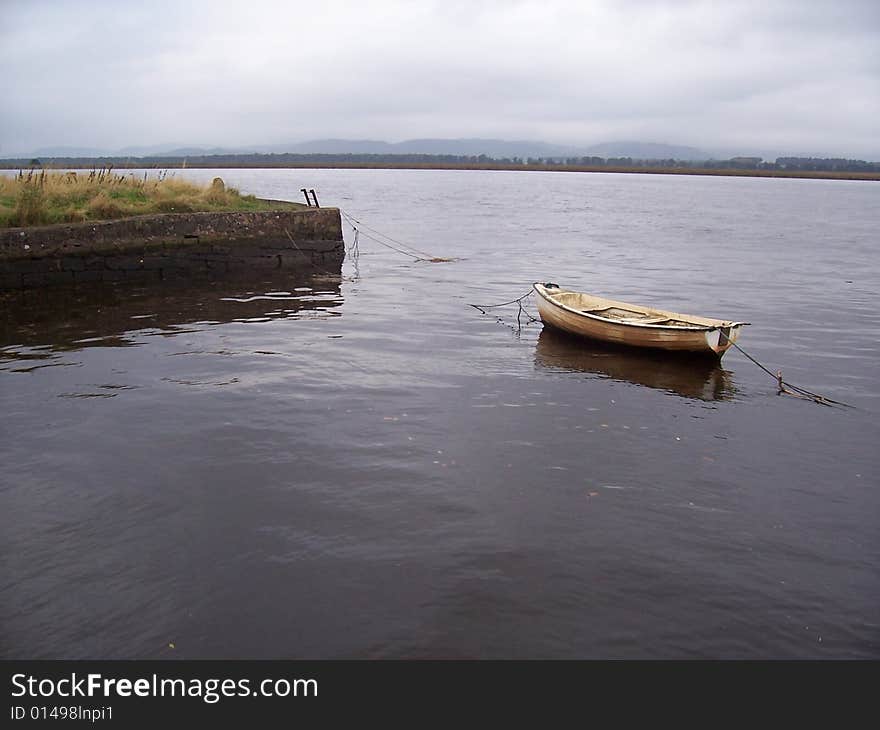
(580,313)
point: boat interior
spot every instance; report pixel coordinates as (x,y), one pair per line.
(625,313)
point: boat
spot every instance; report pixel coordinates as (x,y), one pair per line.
(680,374)
(633,325)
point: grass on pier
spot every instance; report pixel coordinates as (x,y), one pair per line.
(37,197)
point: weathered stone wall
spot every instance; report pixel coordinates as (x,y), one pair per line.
(170,245)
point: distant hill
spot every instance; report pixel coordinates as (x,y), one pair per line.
(177,150)
(471,146)
(647,151)
(331,147)
(498,149)
(489,147)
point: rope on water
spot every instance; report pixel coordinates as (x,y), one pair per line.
(786,388)
(518,301)
(354,253)
(395,245)
(352,220)
(481,307)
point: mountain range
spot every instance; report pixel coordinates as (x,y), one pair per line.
(497,148)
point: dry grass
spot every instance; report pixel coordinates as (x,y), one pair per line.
(39,197)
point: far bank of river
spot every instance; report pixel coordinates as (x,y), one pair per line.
(210,163)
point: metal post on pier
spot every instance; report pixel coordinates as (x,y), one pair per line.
(305,192)
(315,197)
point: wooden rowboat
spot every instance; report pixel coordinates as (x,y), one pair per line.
(633,325)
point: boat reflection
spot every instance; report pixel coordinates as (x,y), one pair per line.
(64,318)
(682,375)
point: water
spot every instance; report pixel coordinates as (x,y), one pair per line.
(368,467)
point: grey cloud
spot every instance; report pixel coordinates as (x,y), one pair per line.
(790,76)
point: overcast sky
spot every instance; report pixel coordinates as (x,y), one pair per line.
(799,77)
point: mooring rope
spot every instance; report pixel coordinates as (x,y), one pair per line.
(352,220)
(482,307)
(518,301)
(395,245)
(786,387)
(354,253)
(388,245)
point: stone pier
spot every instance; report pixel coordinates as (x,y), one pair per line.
(171,245)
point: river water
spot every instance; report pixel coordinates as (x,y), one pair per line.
(365,466)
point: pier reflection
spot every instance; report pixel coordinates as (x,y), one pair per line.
(63,318)
(682,375)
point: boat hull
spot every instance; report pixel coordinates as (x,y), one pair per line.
(705,337)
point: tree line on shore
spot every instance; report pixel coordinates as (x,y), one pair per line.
(782,164)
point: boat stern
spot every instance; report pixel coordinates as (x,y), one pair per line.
(720,339)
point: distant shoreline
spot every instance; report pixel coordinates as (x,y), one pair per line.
(78,164)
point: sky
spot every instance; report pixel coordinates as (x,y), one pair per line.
(797,77)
